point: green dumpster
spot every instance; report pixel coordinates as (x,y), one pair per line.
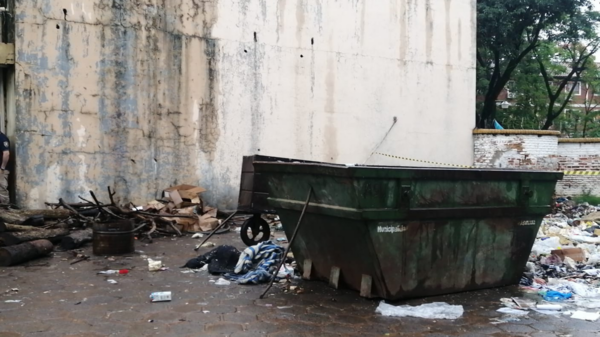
(403,232)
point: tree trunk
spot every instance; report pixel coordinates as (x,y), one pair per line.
(76,239)
(19,228)
(24,252)
(8,239)
(18,217)
(488,113)
(548,124)
(48,214)
(10,217)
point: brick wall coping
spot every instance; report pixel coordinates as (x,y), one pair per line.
(516,132)
(579,140)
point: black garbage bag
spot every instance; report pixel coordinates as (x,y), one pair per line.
(220,260)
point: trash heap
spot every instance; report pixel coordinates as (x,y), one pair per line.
(563,272)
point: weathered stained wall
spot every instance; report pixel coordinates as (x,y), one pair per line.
(144,94)
(579,155)
(521,149)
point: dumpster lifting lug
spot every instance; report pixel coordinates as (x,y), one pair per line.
(307,269)
(365,286)
(334,277)
(526,194)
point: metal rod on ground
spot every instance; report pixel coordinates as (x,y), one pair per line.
(215,230)
(287,250)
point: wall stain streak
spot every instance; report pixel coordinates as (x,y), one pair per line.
(428,31)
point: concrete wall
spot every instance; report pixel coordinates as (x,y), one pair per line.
(144,94)
(522,149)
(579,155)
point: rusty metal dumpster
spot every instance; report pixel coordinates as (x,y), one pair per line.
(403,232)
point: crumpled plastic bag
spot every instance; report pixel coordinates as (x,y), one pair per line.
(579,289)
(436,310)
(154,265)
(545,247)
(556,296)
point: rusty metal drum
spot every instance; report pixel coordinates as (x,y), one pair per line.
(115,238)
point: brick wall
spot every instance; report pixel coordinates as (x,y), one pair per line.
(523,149)
(579,155)
(541,150)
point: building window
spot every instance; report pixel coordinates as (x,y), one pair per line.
(577,91)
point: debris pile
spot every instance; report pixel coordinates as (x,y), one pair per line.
(29,234)
(563,272)
(255,265)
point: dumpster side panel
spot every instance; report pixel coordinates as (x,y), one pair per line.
(333,242)
(432,193)
(424,258)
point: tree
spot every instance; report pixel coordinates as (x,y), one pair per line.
(591,110)
(509,30)
(573,47)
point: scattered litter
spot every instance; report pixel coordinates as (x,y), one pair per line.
(511,311)
(220,260)
(208,245)
(222,282)
(111,281)
(505,319)
(12,301)
(285,271)
(257,263)
(555,296)
(205,311)
(285,307)
(436,310)
(162,296)
(197,236)
(586,316)
(549,307)
(154,265)
(108,272)
(188,271)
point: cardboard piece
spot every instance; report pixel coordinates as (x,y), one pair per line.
(186,192)
(208,223)
(176,197)
(576,254)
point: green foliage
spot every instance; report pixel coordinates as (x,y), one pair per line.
(508,31)
(589,198)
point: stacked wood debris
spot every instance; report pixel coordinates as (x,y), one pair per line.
(27,234)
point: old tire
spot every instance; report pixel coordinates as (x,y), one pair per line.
(255,230)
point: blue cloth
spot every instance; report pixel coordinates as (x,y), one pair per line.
(497,125)
(257,264)
(555,296)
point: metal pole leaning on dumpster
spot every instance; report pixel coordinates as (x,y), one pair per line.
(287,250)
(215,230)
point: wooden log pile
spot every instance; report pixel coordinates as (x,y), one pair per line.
(28,234)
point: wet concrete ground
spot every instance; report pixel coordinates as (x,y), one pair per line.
(59,299)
